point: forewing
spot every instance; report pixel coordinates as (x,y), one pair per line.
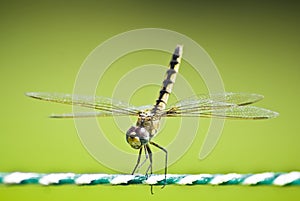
(85,114)
(106,106)
(205,103)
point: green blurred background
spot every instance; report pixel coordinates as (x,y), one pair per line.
(254,45)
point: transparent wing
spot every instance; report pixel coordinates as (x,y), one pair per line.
(239,112)
(106,106)
(229,105)
(85,114)
(100,114)
(209,102)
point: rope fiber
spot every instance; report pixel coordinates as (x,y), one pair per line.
(266,178)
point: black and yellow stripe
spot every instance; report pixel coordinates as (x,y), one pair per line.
(169,80)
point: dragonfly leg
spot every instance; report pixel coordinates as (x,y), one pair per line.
(166,160)
(146,158)
(150,159)
(138,160)
(148,150)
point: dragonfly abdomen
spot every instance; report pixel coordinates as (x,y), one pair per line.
(169,80)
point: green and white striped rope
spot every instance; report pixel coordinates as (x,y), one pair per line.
(266,178)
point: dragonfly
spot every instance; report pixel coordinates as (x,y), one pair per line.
(227,105)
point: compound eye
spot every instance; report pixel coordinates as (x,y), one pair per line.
(131,131)
(134,142)
(137,136)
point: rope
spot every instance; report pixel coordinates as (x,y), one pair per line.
(267,178)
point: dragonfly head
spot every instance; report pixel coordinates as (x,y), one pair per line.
(137,137)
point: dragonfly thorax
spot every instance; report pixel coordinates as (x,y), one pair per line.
(149,121)
(137,137)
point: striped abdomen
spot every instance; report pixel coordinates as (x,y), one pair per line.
(169,80)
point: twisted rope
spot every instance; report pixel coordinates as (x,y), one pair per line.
(267,178)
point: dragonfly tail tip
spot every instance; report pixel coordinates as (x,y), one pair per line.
(178,50)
